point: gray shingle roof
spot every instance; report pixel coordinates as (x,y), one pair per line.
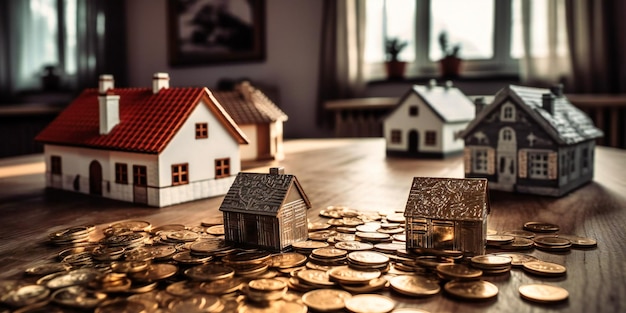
(448,198)
(251,108)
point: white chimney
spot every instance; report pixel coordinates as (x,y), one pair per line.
(105,83)
(109,111)
(160,81)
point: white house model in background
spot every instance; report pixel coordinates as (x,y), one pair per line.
(157,146)
(258,117)
(426,121)
(530,140)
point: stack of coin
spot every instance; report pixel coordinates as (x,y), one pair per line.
(351,246)
(541,227)
(209,272)
(499,240)
(211,247)
(552,243)
(373,237)
(265,290)
(492,264)
(452,271)
(248,263)
(71,235)
(367,260)
(328,256)
(305,247)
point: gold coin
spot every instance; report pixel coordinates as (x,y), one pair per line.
(182,288)
(418,286)
(217,230)
(318,226)
(347,275)
(121,305)
(580,242)
(368,227)
(354,246)
(472,290)
(491,261)
(518,259)
(187,258)
(288,260)
(26,295)
(315,277)
(196,303)
(552,241)
(499,239)
(368,258)
(75,277)
(48,268)
(371,286)
(247,257)
(280,306)
(452,271)
(541,227)
(326,300)
(519,243)
(134,226)
(519,233)
(373,236)
(369,303)
(210,271)
(78,297)
(545,268)
(329,252)
(267,285)
(183,236)
(309,244)
(222,286)
(543,293)
(154,272)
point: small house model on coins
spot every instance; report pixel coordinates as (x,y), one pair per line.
(157,146)
(266,210)
(530,140)
(258,117)
(426,122)
(447,214)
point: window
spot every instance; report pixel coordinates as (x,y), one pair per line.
(222,168)
(489,33)
(396,136)
(572,160)
(431,138)
(180,174)
(585,157)
(480,161)
(507,134)
(121,173)
(202,130)
(538,165)
(140,174)
(413,110)
(507,113)
(55,165)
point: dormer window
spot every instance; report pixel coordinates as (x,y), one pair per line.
(508,113)
(202,130)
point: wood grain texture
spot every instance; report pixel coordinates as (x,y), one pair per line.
(356,173)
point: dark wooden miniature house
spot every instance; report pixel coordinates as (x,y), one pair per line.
(265,210)
(447,214)
(530,140)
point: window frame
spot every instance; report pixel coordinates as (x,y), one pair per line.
(180,174)
(56,167)
(543,162)
(414,111)
(480,156)
(121,173)
(202,130)
(140,175)
(396,136)
(222,168)
(430,138)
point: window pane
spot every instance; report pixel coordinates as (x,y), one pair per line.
(539,29)
(469,23)
(70,37)
(389,19)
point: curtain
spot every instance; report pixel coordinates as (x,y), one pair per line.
(545,59)
(342,50)
(597,41)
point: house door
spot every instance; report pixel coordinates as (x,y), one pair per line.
(95,178)
(413,141)
(140,184)
(506,160)
(263,141)
(251,230)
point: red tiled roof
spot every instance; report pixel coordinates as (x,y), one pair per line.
(257,109)
(147,121)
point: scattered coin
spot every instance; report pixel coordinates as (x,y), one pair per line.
(498,240)
(519,233)
(209,272)
(580,242)
(216,230)
(541,227)
(288,260)
(78,297)
(354,246)
(472,290)
(351,276)
(326,300)
(417,286)
(545,268)
(453,271)
(543,293)
(369,303)
(518,259)
(371,286)
(315,277)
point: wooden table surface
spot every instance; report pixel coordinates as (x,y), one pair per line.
(356,173)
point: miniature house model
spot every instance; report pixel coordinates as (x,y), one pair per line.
(157,146)
(426,121)
(530,140)
(258,117)
(447,214)
(266,210)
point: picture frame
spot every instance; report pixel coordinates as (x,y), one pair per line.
(213,32)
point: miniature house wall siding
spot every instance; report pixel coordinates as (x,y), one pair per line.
(510,147)
(269,138)
(447,214)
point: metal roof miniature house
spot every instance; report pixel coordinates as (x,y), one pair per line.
(258,117)
(154,146)
(447,214)
(531,140)
(426,121)
(266,210)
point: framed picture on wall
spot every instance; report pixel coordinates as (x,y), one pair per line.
(216,31)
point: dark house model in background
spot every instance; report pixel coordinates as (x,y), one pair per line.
(530,140)
(426,121)
(258,117)
(265,210)
(447,214)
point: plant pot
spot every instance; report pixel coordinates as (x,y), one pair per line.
(395,70)
(450,67)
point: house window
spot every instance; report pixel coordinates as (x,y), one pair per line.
(222,168)
(538,165)
(585,157)
(396,136)
(202,130)
(121,173)
(564,168)
(140,174)
(572,160)
(431,138)
(180,174)
(55,165)
(413,110)
(480,161)
(508,113)
(506,134)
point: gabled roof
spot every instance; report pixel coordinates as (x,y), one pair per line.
(448,103)
(147,121)
(260,193)
(448,198)
(568,124)
(248,105)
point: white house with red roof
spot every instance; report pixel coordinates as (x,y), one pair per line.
(157,146)
(258,117)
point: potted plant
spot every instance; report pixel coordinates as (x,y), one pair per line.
(450,64)
(395,68)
